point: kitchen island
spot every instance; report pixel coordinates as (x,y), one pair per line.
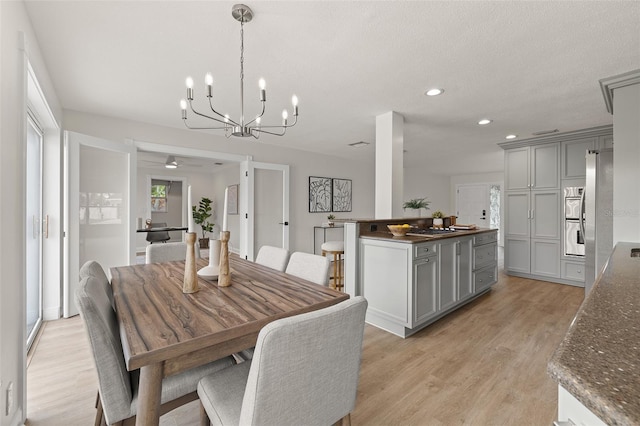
(597,365)
(414,280)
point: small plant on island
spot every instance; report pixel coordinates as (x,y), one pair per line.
(437,214)
(201,216)
(416,204)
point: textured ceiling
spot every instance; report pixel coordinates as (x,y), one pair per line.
(529,66)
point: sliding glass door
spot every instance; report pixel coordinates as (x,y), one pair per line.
(34,226)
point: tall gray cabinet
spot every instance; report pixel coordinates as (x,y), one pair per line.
(536,172)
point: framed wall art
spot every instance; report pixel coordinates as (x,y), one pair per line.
(319,194)
(341,200)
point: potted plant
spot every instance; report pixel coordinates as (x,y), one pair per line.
(437,219)
(331,218)
(416,204)
(201,217)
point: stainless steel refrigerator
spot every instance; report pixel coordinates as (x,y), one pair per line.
(597,221)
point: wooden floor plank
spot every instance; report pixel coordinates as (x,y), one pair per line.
(485,364)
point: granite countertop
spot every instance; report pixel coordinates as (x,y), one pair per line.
(598,361)
(415,239)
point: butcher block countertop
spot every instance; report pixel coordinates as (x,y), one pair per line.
(598,361)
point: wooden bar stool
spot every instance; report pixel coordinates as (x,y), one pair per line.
(336,248)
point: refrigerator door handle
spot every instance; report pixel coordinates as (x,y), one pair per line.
(582,213)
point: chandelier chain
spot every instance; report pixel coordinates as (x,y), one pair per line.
(241,50)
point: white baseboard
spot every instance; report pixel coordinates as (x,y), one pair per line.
(53,313)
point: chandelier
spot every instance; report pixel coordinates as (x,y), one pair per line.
(241,128)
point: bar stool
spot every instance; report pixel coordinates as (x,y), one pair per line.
(336,248)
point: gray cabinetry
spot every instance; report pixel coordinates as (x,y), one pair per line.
(534,167)
(448,256)
(535,171)
(425,304)
(409,286)
(573,157)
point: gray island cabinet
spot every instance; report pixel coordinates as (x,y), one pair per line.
(412,281)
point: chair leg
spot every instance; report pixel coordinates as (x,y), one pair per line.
(99,412)
(345,421)
(204,418)
(335,271)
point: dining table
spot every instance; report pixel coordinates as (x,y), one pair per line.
(165,331)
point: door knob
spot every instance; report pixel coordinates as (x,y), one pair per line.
(284,223)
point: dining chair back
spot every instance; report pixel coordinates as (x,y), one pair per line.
(310,267)
(158,236)
(273,257)
(117,386)
(168,252)
(304,372)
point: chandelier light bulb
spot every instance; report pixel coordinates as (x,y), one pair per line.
(236,127)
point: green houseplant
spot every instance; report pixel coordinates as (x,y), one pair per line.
(437,219)
(331,218)
(201,216)
(416,204)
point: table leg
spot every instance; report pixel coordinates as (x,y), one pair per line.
(149,393)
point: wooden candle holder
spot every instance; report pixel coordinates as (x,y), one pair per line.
(190,283)
(224,277)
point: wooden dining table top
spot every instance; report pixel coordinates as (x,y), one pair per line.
(160,323)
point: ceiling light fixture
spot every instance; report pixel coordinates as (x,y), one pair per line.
(171,162)
(484,121)
(434,92)
(511,136)
(240,128)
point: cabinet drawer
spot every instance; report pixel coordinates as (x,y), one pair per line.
(489,237)
(573,271)
(422,250)
(484,255)
(484,278)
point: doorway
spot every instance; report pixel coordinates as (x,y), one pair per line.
(479,204)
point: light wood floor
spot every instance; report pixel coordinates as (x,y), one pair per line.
(484,364)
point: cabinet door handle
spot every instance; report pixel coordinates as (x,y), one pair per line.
(528,214)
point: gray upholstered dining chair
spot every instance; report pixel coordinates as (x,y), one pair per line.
(117,394)
(310,267)
(158,236)
(273,257)
(304,372)
(168,252)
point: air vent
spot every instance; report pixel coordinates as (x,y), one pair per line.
(545,132)
(359,144)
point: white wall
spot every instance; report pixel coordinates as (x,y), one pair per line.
(13,20)
(303,165)
(419,183)
(626,164)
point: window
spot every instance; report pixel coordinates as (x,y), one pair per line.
(159,198)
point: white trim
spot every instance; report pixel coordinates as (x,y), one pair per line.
(609,84)
(188,152)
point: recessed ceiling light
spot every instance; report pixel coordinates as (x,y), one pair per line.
(359,144)
(434,92)
(484,121)
(511,136)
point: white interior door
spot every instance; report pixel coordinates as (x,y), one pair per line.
(266,218)
(100,213)
(33,229)
(472,204)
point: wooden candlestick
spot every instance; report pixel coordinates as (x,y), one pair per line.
(224,277)
(190,283)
